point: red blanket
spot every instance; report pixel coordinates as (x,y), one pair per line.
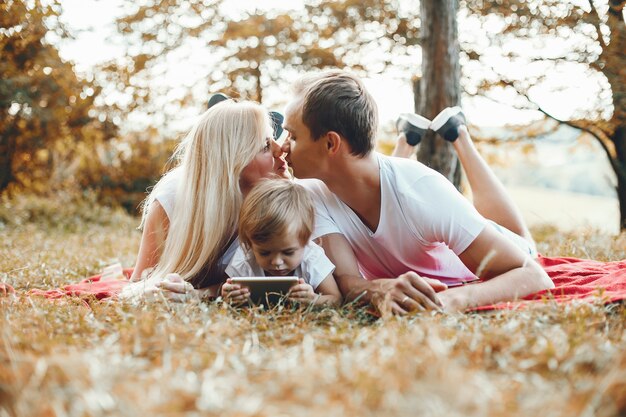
(92,287)
(574,279)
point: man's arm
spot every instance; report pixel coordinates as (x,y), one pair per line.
(407,292)
(346,273)
(507,273)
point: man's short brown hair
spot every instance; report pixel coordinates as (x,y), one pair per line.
(337,101)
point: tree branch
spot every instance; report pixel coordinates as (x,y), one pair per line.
(596,24)
(606,149)
(598,137)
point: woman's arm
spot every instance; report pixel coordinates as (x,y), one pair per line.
(173,287)
(152,240)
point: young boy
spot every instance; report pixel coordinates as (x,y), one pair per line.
(275,226)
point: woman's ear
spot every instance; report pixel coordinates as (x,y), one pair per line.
(333,142)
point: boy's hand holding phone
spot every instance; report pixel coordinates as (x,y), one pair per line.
(302,293)
(234,293)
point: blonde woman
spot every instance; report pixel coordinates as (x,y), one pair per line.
(190,217)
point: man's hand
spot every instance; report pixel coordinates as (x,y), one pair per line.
(234,293)
(408,292)
(302,293)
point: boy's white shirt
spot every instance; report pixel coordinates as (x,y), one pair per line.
(314,268)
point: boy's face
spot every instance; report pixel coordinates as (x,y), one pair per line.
(280,255)
(304,155)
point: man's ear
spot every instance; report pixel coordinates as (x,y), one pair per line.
(333,142)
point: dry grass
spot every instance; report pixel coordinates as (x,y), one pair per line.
(63,359)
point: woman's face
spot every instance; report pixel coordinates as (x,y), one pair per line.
(268,162)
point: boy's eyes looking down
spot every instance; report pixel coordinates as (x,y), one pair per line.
(286,252)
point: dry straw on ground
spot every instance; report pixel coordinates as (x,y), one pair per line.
(64,359)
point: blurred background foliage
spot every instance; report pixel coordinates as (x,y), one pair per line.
(62,131)
(53,136)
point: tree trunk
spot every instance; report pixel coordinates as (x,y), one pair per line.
(258,87)
(5,169)
(439,86)
(7,151)
(619,165)
(613,69)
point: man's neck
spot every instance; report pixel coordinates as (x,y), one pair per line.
(356,181)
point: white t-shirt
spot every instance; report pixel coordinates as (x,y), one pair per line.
(165,194)
(314,268)
(425,223)
(165,191)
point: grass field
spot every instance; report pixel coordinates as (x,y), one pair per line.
(117,359)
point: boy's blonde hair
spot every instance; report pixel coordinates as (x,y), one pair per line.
(211,158)
(273,208)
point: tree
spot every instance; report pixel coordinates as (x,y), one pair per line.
(255,48)
(598,40)
(439,85)
(384,26)
(252,51)
(368,36)
(44,108)
(245,53)
(240,55)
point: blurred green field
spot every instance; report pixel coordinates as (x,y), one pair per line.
(64,359)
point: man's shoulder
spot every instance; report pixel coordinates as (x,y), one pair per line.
(405,175)
(405,167)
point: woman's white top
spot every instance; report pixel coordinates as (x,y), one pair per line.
(165,194)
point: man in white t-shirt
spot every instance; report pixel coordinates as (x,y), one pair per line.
(398,224)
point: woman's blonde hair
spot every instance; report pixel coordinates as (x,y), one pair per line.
(208,198)
(273,208)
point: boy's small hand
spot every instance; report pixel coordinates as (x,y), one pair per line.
(302,292)
(234,293)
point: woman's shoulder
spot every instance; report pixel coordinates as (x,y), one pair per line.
(165,191)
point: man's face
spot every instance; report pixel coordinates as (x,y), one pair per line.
(304,155)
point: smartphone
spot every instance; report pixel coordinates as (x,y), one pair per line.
(266,290)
